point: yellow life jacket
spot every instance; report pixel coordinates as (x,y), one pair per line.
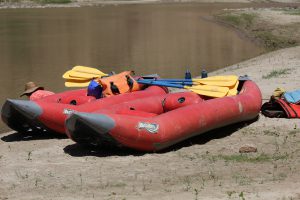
(119,84)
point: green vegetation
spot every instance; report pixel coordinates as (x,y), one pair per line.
(244,20)
(292,11)
(281,176)
(241,195)
(250,158)
(273,42)
(196,194)
(187,183)
(248,18)
(232,19)
(29,155)
(271,36)
(10,1)
(271,132)
(242,179)
(230,193)
(37,180)
(53,1)
(118,184)
(276,73)
(245,158)
(292,132)
(39,1)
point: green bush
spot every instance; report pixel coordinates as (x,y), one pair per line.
(276,73)
(53,1)
(273,42)
(244,20)
(292,11)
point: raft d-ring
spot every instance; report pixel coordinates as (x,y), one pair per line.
(241,109)
(163,102)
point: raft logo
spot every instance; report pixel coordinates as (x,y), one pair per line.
(67,111)
(152,128)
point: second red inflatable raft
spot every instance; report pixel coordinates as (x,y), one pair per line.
(156,123)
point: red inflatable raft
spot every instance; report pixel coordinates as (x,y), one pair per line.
(156,123)
(50,112)
(12,110)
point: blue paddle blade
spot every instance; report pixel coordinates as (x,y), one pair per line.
(160,83)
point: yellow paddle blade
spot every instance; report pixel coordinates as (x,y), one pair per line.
(225,81)
(73,83)
(82,75)
(208,90)
(88,70)
(67,75)
(233,90)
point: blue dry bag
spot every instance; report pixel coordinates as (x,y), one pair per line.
(94,89)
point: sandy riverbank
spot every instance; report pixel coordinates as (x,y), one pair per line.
(205,167)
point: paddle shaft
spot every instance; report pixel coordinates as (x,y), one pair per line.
(160,83)
(226,81)
(223,79)
(207,90)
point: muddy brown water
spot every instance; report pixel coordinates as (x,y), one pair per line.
(41,44)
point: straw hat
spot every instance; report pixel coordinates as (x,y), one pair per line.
(31,87)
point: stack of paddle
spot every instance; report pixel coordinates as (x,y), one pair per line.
(80,76)
(214,86)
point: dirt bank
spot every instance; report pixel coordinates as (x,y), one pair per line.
(274,28)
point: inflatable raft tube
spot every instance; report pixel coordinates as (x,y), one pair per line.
(13,116)
(49,115)
(172,124)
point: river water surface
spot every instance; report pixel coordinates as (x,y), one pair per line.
(41,44)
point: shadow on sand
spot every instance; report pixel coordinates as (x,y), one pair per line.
(33,135)
(78,150)
(82,150)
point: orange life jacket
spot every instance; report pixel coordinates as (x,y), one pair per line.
(119,84)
